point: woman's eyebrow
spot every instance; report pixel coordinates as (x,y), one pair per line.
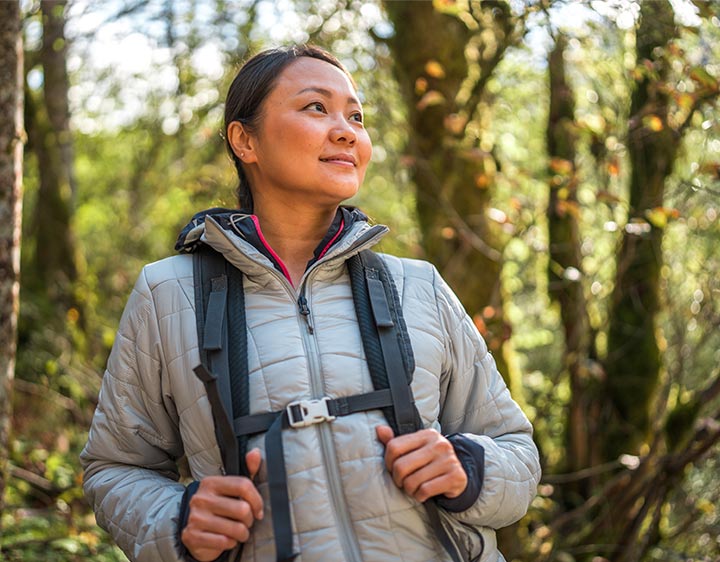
(327,93)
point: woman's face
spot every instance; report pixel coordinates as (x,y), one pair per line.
(310,145)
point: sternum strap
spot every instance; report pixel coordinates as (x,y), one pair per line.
(273,423)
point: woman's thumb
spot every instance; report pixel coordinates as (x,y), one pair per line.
(384,433)
(252,460)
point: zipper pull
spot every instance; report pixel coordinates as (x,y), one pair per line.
(305,311)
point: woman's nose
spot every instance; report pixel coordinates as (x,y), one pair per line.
(342,131)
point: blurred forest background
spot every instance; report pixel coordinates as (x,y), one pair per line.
(559,161)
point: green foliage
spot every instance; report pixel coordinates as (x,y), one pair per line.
(53,537)
(141,178)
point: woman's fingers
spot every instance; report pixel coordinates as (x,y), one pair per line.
(423,464)
(253,459)
(384,433)
(206,522)
(205,545)
(230,508)
(432,479)
(435,487)
(222,512)
(234,487)
(405,444)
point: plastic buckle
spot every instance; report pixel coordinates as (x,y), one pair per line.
(307,412)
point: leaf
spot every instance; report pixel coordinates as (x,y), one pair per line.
(656,218)
(447,7)
(685,101)
(482,181)
(613,167)
(421,85)
(712,168)
(564,208)
(434,69)
(607,197)
(561,166)
(433,97)
(480,325)
(455,123)
(704,7)
(704,78)
(653,122)
(659,216)
(448,232)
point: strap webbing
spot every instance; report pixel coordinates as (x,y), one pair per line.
(273,423)
(237,352)
(442,535)
(404,409)
(215,314)
(407,418)
(222,331)
(226,436)
(338,407)
(279,496)
(208,265)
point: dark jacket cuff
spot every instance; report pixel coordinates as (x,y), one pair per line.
(472,457)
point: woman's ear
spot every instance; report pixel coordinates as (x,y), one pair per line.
(241,142)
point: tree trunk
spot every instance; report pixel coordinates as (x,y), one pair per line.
(56,84)
(633,358)
(454,176)
(55,267)
(565,277)
(11,137)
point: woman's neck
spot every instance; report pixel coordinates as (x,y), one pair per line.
(293,234)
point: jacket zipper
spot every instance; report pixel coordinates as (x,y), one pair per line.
(305,311)
(348,540)
(346,533)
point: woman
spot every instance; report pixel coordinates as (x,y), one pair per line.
(295,132)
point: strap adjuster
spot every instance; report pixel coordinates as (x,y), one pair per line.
(302,413)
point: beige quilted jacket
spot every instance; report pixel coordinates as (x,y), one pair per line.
(152,410)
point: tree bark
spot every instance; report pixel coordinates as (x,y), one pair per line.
(55,268)
(11,153)
(633,357)
(452,171)
(53,56)
(565,272)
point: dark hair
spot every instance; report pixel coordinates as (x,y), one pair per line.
(252,84)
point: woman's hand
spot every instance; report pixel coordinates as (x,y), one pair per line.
(424,463)
(222,511)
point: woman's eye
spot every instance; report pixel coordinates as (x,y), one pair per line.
(357,117)
(317,106)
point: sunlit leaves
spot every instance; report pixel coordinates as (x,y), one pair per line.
(429,99)
(434,69)
(659,216)
(653,122)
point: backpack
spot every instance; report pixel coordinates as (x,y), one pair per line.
(222,341)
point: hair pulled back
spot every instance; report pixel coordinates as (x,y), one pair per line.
(252,84)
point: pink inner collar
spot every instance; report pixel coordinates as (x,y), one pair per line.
(332,240)
(285,272)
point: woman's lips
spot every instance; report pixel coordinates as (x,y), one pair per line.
(342,159)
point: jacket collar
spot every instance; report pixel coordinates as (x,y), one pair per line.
(236,235)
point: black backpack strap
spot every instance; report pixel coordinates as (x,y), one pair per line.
(222,342)
(387,333)
(297,414)
(385,338)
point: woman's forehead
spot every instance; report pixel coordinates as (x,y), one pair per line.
(310,74)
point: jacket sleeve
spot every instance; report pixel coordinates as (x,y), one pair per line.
(130,473)
(476,403)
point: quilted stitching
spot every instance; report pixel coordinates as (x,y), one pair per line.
(450,355)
